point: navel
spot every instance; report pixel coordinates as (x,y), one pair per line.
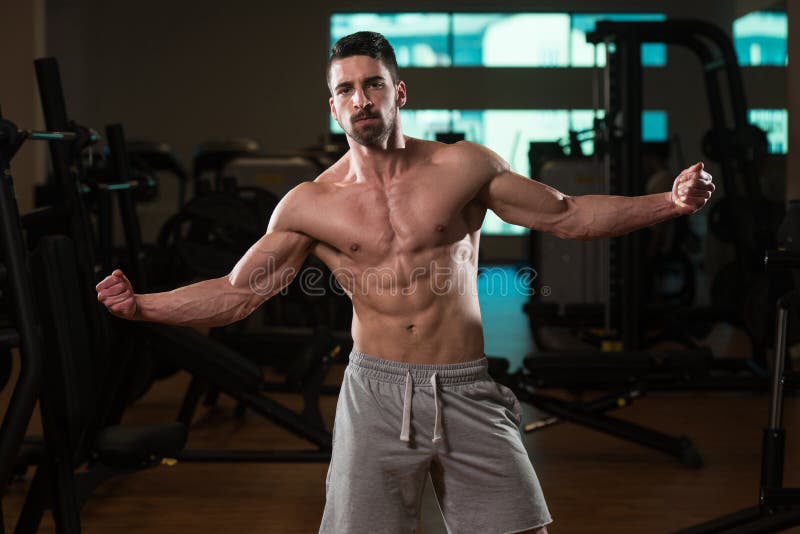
(411,328)
(440,228)
(354,247)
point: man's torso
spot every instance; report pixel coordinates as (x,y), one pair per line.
(405,248)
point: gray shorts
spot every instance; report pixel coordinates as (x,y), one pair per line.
(398,423)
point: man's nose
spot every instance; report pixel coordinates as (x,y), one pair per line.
(360,99)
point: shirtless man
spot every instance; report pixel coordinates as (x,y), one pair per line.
(397,220)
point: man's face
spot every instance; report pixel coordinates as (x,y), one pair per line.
(365,101)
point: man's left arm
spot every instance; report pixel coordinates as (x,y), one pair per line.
(524,202)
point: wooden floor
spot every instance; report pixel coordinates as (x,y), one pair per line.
(593,483)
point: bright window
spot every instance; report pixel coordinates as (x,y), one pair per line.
(418,39)
(492,39)
(760,38)
(776,123)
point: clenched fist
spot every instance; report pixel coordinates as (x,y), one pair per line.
(116,293)
(692,189)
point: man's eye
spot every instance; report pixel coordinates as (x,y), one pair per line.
(344,91)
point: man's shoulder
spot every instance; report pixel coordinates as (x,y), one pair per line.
(467,152)
(470,159)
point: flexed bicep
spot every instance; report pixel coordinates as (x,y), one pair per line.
(525,202)
(271,263)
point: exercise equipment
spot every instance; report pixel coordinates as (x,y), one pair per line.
(150,158)
(277,174)
(204,358)
(619,315)
(210,159)
(739,146)
(19,325)
(216,367)
(214,230)
(80,387)
(778,507)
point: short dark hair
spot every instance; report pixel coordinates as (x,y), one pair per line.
(370,44)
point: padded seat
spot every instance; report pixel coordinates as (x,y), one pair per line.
(137,446)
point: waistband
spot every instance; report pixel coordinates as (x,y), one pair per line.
(396,372)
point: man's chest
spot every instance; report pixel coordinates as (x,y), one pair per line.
(408,216)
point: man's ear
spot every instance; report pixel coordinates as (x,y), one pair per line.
(333,109)
(401,94)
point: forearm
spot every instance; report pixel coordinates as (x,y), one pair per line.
(599,216)
(215,302)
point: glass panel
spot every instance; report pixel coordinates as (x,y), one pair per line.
(760,38)
(776,123)
(419,39)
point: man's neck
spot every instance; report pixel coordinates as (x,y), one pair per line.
(379,162)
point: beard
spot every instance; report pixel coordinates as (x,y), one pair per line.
(370,134)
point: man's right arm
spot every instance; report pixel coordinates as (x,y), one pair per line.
(267,267)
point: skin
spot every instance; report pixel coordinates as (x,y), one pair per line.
(397,220)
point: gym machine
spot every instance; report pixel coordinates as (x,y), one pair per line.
(19,324)
(778,507)
(208,361)
(627,367)
(48,348)
(749,219)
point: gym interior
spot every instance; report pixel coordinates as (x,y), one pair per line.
(657,372)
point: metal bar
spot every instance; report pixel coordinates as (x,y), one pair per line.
(66,164)
(599,405)
(286,418)
(681,448)
(776,397)
(120,169)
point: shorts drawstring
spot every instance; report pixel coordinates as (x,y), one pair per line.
(405,374)
(437,425)
(405,431)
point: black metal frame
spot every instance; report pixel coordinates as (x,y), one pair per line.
(25,333)
(778,507)
(623,82)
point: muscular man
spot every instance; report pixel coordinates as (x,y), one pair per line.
(397,220)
